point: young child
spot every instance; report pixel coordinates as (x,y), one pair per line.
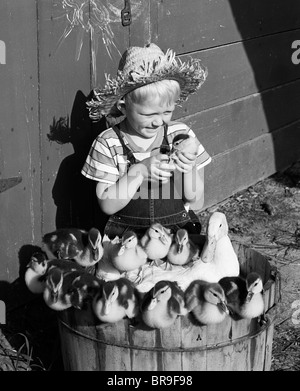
(138,183)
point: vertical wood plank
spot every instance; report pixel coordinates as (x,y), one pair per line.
(220,359)
(114,357)
(241,356)
(19,134)
(257,352)
(62,76)
(193,336)
(170,337)
(220,332)
(268,347)
(144,360)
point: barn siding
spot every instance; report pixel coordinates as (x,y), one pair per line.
(246,114)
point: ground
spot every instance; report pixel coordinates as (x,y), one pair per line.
(264,216)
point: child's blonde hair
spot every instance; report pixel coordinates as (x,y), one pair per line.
(168,92)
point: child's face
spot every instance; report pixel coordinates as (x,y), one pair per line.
(148,117)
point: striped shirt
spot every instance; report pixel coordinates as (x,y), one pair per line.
(107,163)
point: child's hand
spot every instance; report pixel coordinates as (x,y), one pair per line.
(184,161)
(158,168)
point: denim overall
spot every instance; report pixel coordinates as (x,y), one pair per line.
(142,211)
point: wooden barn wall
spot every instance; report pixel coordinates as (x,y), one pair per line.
(246,114)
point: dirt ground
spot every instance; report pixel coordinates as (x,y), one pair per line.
(264,216)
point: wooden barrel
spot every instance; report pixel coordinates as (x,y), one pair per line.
(233,345)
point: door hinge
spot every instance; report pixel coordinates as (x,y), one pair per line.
(126,14)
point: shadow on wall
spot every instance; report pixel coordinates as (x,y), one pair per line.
(74,195)
(268,30)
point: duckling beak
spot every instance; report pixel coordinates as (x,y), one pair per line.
(152,304)
(106,308)
(121,251)
(163,239)
(95,253)
(54,296)
(223,307)
(209,248)
(249,296)
(179,248)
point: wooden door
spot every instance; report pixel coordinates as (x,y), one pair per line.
(246,114)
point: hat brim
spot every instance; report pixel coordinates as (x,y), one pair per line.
(190,76)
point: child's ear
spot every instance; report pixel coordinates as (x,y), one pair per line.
(121,106)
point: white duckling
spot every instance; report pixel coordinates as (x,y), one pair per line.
(128,255)
(184,143)
(182,250)
(116,300)
(244,296)
(84,247)
(35,272)
(57,293)
(218,249)
(206,301)
(156,241)
(162,305)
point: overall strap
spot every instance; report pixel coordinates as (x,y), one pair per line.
(127,151)
(165,147)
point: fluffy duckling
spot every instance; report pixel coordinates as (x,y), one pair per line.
(35,273)
(57,293)
(206,301)
(182,250)
(184,143)
(244,296)
(218,247)
(156,241)
(162,305)
(83,288)
(116,300)
(84,247)
(128,255)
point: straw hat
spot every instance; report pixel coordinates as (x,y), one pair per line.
(140,66)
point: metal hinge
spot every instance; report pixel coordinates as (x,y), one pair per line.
(126,14)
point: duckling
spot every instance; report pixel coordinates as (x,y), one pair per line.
(128,255)
(84,247)
(182,250)
(184,143)
(162,305)
(104,268)
(83,288)
(116,300)
(57,294)
(35,272)
(207,302)
(218,247)
(244,296)
(66,265)
(156,241)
